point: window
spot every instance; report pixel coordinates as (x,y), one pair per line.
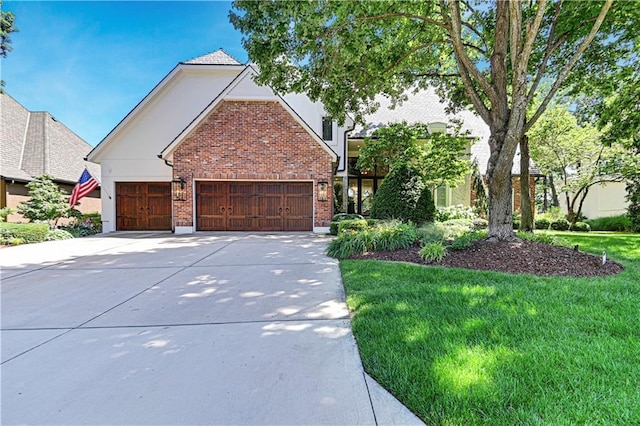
(441,197)
(327,129)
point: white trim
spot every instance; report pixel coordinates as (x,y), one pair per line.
(320,229)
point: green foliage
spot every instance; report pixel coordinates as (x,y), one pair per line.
(24,232)
(431,232)
(346,216)
(458,211)
(543,237)
(403,196)
(46,203)
(467,239)
(542,223)
(621,223)
(338,197)
(576,154)
(633,197)
(4,212)
(560,225)
(433,252)
(58,234)
(333,228)
(481,200)
(352,225)
(581,227)
(7,26)
(85,225)
(439,157)
(383,236)
(392,235)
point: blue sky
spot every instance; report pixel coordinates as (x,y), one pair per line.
(90,62)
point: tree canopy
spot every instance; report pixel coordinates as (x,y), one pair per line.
(491,56)
(577,156)
(438,157)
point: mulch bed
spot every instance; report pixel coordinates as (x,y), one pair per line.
(518,257)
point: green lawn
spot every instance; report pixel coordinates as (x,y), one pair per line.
(461,347)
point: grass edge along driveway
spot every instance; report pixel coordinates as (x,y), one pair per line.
(469,347)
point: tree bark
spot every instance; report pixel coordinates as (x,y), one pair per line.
(555,201)
(500,186)
(526,212)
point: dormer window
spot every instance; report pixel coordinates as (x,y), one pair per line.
(327,129)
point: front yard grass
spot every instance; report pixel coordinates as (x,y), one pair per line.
(461,347)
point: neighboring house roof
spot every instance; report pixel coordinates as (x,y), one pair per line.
(426,107)
(35,143)
(219,57)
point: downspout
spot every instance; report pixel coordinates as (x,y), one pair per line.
(173,215)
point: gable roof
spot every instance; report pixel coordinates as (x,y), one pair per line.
(219,57)
(214,60)
(35,143)
(425,106)
(248,72)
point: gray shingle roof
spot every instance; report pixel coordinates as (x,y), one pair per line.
(35,143)
(426,107)
(219,57)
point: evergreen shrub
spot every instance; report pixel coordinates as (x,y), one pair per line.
(403,196)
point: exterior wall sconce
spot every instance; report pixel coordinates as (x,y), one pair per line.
(179,189)
(323,194)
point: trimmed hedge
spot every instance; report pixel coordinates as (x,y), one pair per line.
(542,223)
(621,223)
(27,232)
(580,227)
(560,225)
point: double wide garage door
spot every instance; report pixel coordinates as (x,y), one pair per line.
(254,206)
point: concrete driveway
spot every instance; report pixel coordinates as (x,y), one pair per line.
(153,328)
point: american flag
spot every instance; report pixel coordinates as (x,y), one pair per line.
(85,185)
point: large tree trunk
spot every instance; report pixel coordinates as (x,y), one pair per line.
(500,186)
(526,212)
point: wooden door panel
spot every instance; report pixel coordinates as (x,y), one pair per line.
(143,206)
(211,206)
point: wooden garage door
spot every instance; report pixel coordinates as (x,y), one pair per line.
(143,206)
(254,206)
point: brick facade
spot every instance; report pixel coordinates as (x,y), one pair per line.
(251,141)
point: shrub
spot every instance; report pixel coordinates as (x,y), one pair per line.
(392,235)
(542,223)
(373,222)
(346,216)
(433,252)
(333,228)
(516,223)
(431,232)
(619,223)
(352,225)
(348,244)
(455,227)
(480,223)
(46,202)
(28,232)
(455,212)
(403,196)
(58,234)
(4,212)
(580,227)
(384,236)
(467,239)
(560,225)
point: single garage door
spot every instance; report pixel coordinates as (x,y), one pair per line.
(254,206)
(143,206)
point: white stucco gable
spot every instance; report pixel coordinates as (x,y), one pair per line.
(243,87)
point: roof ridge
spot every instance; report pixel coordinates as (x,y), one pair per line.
(217,57)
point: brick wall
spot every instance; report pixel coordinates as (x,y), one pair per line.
(251,140)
